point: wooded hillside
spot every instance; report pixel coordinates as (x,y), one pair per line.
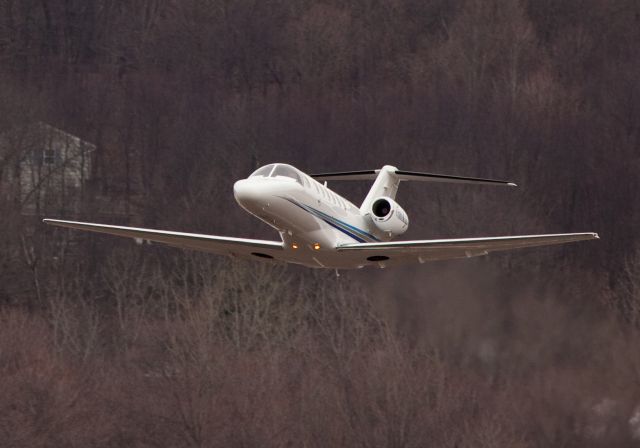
(105,343)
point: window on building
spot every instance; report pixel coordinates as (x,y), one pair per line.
(49,156)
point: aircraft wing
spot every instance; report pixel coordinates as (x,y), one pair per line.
(221,245)
(403,252)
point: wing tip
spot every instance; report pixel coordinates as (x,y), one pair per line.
(511,184)
(55,222)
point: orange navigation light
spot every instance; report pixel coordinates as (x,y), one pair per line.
(294,245)
(316,246)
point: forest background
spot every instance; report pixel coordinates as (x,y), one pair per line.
(108,343)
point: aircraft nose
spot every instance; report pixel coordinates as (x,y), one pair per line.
(246,192)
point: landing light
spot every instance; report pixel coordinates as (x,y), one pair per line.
(316,246)
(294,246)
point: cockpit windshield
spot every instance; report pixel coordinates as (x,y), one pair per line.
(287,171)
(277,170)
(264,171)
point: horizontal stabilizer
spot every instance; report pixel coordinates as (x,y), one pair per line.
(431,177)
(410,175)
(347,175)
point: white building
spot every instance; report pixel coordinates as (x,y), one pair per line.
(44,170)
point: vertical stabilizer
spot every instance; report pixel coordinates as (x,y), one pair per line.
(386,184)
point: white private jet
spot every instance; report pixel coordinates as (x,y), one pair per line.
(321,229)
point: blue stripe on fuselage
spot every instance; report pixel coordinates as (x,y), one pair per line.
(336,223)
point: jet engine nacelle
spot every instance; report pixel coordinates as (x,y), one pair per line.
(389,217)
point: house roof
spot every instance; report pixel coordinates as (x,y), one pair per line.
(45,130)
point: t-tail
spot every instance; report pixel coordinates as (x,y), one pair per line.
(380,202)
(388,178)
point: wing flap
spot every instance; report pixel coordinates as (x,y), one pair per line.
(423,250)
(208,243)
